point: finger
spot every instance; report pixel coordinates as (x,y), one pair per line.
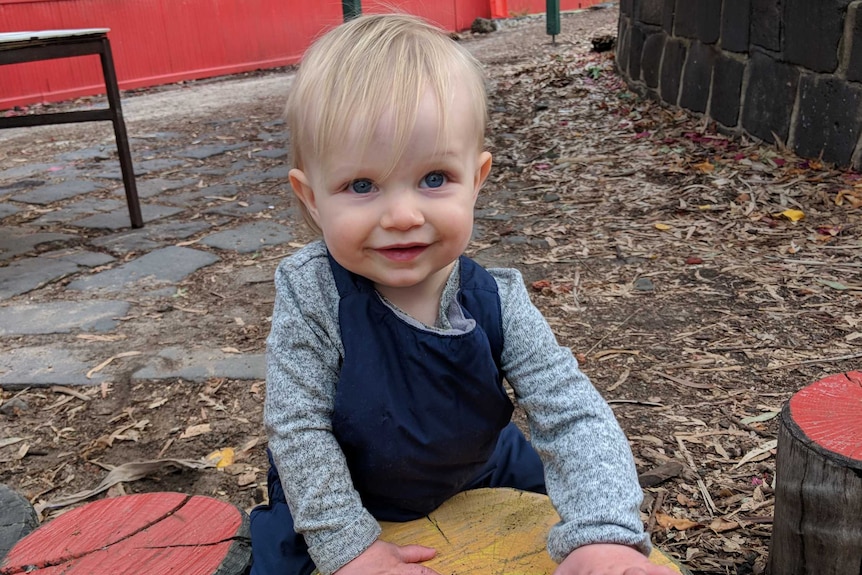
(416,553)
(635,571)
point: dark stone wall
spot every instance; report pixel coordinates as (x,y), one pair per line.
(786,69)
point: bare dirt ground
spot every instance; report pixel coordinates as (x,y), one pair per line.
(701,280)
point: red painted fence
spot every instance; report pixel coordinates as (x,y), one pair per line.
(162,41)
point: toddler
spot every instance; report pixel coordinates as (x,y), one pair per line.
(388,347)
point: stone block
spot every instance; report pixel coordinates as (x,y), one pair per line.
(80,209)
(203,152)
(854,64)
(698,20)
(637,38)
(61,317)
(201,365)
(813,31)
(726,91)
(18,241)
(685,19)
(765,22)
(671,70)
(667,16)
(7,210)
(155,269)
(697,77)
(622,49)
(57,192)
(650,11)
(28,274)
(119,219)
(769,97)
(626,8)
(249,238)
(828,121)
(735,18)
(651,62)
(47,365)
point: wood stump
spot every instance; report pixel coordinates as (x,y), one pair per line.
(17,519)
(489,532)
(817,527)
(145,534)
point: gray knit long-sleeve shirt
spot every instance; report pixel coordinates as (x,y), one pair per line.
(589,470)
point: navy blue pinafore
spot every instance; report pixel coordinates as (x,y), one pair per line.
(420,416)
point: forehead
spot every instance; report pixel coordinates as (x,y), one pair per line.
(438,123)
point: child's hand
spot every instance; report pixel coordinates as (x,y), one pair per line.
(609,559)
(385,558)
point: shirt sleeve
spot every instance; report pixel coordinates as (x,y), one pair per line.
(589,469)
(304,354)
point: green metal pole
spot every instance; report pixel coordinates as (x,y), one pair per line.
(553,19)
(351,9)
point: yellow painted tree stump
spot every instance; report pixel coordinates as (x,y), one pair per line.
(490,531)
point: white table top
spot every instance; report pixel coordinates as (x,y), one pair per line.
(49,34)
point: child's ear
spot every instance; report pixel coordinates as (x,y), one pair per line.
(482,171)
(302,188)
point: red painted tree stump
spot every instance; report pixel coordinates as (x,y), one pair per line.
(818,497)
(146,534)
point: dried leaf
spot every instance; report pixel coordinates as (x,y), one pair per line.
(611,352)
(196,430)
(686,501)
(853,198)
(763,449)
(704,167)
(669,522)
(100,337)
(105,363)
(22,451)
(10,441)
(720,525)
(123,474)
(158,403)
(246,479)
(833,284)
(759,418)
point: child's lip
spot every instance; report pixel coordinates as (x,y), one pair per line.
(402,252)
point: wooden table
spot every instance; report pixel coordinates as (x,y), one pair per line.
(18,47)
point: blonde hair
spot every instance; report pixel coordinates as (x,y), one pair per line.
(371,66)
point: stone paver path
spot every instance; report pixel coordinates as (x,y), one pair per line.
(72,271)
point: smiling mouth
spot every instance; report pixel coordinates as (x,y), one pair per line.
(402,253)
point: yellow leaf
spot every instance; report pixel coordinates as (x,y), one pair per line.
(793,215)
(222,458)
(662,227)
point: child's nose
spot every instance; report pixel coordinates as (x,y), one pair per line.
(402,212)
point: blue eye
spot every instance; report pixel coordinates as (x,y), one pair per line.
(434,180)
(361,186)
